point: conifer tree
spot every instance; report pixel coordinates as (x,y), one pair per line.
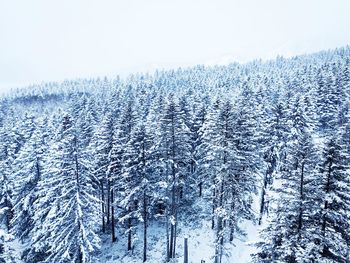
(6,186)
(99,152)
(335,220)
(175,149)
(291,226)
(28,168)
(140,153)
(67,218)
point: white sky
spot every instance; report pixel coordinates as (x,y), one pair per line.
(43,40)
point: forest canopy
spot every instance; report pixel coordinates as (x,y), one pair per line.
(89,162)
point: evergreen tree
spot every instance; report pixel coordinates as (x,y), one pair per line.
(243,168)
(330,96)
(28,168)
(335,221)
(272,141)
(6,185)
(175,151)
(291,227)
(120,181)
(199,115)
(99,152)
(67,206)
(139,153)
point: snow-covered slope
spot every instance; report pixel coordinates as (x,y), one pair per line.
(200,243)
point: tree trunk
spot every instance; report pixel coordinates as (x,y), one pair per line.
(144,206)
(167,223)
(108,200)
(174,248)
(262,200)
(300,220)
(77,178)
(324,222)
(232,228)
(185,251)
(173,195)
(213,210)
(219,234)
(9,213)
(167,237)
(129,232)
(80,257)
(103,206)
(112,216)
(144,227)
(219,237)
(171,240)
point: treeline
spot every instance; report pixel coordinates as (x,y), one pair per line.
(102,155)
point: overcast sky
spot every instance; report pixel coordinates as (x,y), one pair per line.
(42,40)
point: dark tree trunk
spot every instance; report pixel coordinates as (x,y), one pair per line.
(167,237)
(112,216)
(129,232)
(171,240)
(80,257)
(262,201)
(144,227)
(167,223)
(219,227)
(231,233)
(232,226)
(144,207)
(213,211)
(103,206)
(300,219)
(185,250)
(173,194)
(324,221)
(9,213)
(270,159)
(77,177)
(108,200)
(174,248)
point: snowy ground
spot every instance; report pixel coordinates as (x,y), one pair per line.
(200,245)
(12,248)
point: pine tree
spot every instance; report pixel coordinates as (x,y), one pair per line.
(28,168)
(291,227)
(115,185)
(67,206)
(242,178)
(121,182)
(218,145)
(335,221)
(99,152)
(6,183)
(330,96)
(140,154)
(196,149)
(175,150)
(272,139)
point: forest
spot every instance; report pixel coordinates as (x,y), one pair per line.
(115,165)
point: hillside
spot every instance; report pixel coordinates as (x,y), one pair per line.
(250,162)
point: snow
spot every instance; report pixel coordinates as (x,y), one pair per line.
(115,252)
(12,247)
(200,243)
